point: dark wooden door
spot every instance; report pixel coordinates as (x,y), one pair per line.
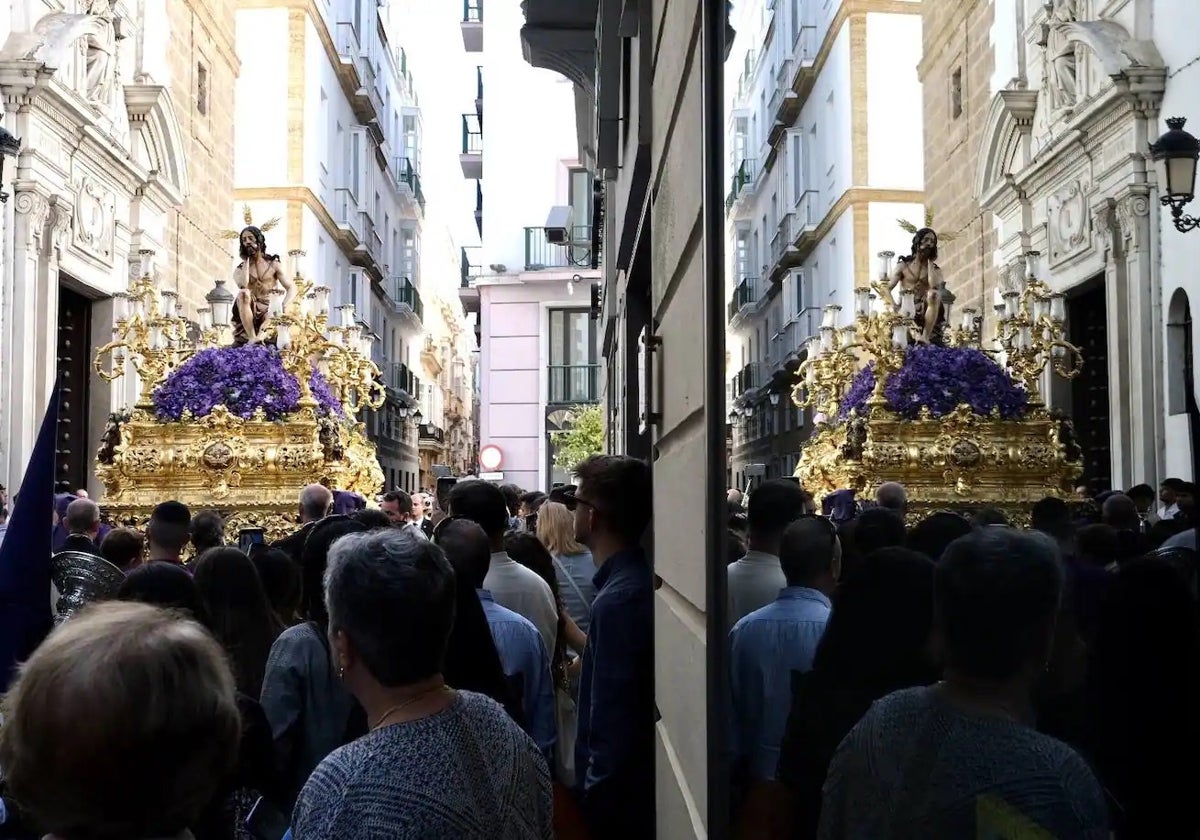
(73,460)
(1087,327)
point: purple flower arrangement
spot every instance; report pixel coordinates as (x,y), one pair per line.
(941,379)
(243,379)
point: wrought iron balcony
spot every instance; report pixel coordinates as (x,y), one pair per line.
(472,135)
(540,253)
(479,207)
(572,384)
(471,158)
(405,297)
(744,295)
(472,26)
(429,433)
(408,175)
(346,212)
(470,270)
(748,378)
(479,94)
(402,380)
(743,178)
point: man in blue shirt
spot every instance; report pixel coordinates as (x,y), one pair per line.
(773,641)
(614,750)
(522,653)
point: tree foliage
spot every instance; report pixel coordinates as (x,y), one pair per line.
(582,437)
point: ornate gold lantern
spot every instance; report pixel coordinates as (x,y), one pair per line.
(249,461)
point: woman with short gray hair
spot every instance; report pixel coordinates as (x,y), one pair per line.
(436,762)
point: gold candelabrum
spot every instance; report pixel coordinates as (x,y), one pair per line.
(1030,332)
(152,336)
(1029,336)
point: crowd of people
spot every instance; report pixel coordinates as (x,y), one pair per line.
(964,677)
(477,666)
(482,664)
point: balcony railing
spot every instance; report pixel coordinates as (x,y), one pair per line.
(366,73)
(401,378)
(470,269)
(404,296)
(348,45)
(743,177)
(371,239)
(540,253)
(473,11)
(430,432)
(570,384)
(748,379)
(804,50)
(808,213)
(744,294)
(346,212)
(472,135)
(479,207)
(479,94)
(782,240)
(783,86)
(407,174)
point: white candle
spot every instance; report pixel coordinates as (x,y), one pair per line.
(826,339)
(899,336)
(204,315)
(862,301)
(283,336)
(908,303)
(885,264)
(322,293)
(1058,307)
(346,310)
(1011,304)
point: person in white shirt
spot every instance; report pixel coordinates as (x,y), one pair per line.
(511,584)
(755,580)
(1168,493)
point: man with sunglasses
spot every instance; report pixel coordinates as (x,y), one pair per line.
(614,749)
(756,579)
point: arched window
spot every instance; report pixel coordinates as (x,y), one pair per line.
(1179,352)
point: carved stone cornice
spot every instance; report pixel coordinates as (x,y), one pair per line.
(22,81)
(1021,104)
(556,40)
(58,225)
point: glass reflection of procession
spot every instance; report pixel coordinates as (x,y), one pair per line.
(238,411)
(901,393)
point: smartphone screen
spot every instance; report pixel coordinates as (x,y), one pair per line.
(248,538)
(266,822)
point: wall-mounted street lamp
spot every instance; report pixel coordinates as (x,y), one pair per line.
(774,398)
(1175,154)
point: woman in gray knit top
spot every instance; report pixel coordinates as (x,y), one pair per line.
(437,762)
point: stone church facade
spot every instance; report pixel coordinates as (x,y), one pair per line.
(1039,118)
(125,115)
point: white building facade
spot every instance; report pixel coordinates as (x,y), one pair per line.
(1080,91)
(825,155)
(329,143)
(531,279)
(107,100)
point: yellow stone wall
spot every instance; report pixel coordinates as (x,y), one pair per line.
(202,35)
(957,37)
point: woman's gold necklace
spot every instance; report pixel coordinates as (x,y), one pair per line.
(408,703)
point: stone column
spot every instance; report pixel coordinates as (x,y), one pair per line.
(31,315)
(1143,340)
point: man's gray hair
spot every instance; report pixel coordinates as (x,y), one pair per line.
(393,595)
(315,500)
(82,516)
(892,495)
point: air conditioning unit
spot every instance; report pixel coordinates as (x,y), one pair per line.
(558,225)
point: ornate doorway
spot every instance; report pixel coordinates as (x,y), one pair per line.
(72,461)
(1087,326)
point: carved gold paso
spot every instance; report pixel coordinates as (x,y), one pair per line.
(252,470)
(959,460)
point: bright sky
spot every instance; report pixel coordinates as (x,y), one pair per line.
(444,76)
